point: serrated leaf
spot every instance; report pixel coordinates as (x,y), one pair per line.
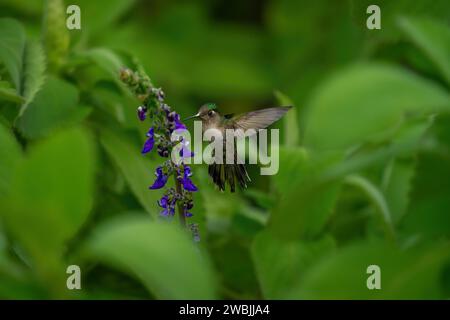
(33,72)
(397,185)
(154,253)
(23,59)
(377,198)
(12,46)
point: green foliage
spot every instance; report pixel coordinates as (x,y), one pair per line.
(280,265)
(387,93)
(136,170)
(33,73)
(12,46)
(10,154)
(408,274)
(24,61)
(308,202)
(154,252)
(433,38)
(45,211)
(55,106)
(364,158)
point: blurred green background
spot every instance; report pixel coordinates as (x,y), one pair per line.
(364,159)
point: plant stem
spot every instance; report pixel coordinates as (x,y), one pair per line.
(181,213)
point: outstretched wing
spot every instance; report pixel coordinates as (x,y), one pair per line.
(259,119)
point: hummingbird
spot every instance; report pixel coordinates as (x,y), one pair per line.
(211,118)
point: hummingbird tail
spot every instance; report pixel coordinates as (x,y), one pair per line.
(228,173)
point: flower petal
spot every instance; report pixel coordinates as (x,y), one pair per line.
(150,142)
(188,184)
(178,123)
(148,145)
(159,183)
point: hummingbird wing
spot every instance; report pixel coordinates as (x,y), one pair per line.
(223,174)
(259,119)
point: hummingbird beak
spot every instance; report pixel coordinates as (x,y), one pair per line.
(192,117)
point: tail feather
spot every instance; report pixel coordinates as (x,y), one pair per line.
(223,174)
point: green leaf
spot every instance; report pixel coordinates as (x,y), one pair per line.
(291,128)
(10,155)
(105,59)
(12,46)
(280,265)
(291,160)
(24,61)
(377,198)
(368,103)
(33,72)
(162,256)
(137,170)
(428,213)
(50,197)
(8,93)
(53,107)
(433,38)
(51,192)
(305,201)
(411,274)
(397,185)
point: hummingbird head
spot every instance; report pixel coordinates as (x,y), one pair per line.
(208,113)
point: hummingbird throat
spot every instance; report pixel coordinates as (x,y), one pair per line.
(228,146)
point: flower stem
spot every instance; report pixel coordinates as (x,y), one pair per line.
(181,213)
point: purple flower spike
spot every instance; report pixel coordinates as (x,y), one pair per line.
(178,123)
(142,112)
(149,143)
(186,182)
(161,179)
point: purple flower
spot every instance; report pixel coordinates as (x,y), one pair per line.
(167,205)
(148,145)
(142,112)
(185,181)
(178,123)
(161,179)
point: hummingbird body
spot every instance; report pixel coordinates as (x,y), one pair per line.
(223,173)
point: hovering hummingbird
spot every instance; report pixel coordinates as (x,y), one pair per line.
(212,119)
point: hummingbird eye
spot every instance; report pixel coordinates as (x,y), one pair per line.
(210,113)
